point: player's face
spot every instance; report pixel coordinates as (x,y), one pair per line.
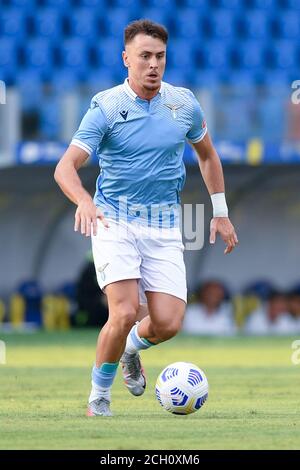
(145,58)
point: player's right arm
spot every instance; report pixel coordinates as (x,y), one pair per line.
(66,176)
(89,135)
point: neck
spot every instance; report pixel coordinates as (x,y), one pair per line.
(142,92)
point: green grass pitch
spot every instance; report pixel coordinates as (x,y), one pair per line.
(253,400)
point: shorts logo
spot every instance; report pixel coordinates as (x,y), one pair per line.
(101,271)
(174,108)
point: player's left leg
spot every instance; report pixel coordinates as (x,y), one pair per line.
(166,313)
(165,317)
(164,282)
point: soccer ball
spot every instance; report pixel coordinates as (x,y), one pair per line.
(181,388)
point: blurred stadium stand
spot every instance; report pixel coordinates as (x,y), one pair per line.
(55,46)
(240,57)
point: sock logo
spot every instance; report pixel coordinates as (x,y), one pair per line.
(124,114)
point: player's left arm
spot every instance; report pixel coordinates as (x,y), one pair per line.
(212,173)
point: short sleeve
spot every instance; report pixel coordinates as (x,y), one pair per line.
(199,128)
(92,128)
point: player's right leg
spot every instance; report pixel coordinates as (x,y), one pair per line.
(117,265)
(123,303)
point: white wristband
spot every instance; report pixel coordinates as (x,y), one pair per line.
(219,205)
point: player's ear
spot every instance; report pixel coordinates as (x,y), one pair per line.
(125,58)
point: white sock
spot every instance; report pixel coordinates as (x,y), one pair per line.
(99,392)
(134,343)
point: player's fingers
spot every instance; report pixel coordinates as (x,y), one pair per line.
(77,222)
(231,242)
(102,218)
(82,225)
(212,237)
(228,249)
(234,239)
(94,222)
(87,227)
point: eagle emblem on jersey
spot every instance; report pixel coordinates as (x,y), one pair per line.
(174,108)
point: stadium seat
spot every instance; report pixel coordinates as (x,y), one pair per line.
(13,23)
(56,312)
(200,5)
(230,4)
(47,22)
(283,54)
(100,4)
(31,293)
(163,4)
(8,55)
(59,4)
(254,25)
(287,25)
(23,3)
(115,20)
(108,53)
(186,24)
(181,54)
(157,15)
(64,80)
(270,5)
(215,55)
(250,55)
(242,80)
(276,81)
(102,78)
(84,22)
(50,117)
(270,118)
(221,24)
(74,53)
(201,78)
(30,85)
(176,77)
(38,53)
(291,4)
(126,4)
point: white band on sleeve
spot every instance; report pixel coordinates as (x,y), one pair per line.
(220,208)
(81,145)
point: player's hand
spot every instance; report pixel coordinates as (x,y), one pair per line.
(86,216)
(226,230)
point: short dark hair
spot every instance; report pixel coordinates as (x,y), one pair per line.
(147,27)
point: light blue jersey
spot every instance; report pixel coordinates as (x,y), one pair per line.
(140,146)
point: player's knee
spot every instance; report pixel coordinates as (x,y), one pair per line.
(165,331)
(125,316)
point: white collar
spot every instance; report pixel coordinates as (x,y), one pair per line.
(132,93)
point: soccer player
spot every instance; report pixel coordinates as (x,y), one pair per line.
(138,130)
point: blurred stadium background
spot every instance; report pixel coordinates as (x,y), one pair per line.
(240,57)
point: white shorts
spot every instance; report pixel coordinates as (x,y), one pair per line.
(130,250)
